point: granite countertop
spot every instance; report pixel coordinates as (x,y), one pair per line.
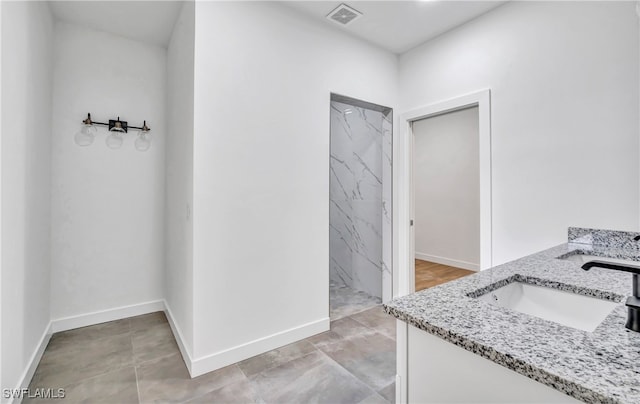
(602,366)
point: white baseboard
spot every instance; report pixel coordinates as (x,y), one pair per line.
(34,360)
(230,356)
(209,363)
(82,320)
(197,366)
(448,261)
(184,350)
(97,317)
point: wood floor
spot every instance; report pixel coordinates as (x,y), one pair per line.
(429,274)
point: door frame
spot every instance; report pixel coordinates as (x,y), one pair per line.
(403,179)
(403,231)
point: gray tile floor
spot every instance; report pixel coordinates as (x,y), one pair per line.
(136,360)
(345,301)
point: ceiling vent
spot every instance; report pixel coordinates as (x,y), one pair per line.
(344,15)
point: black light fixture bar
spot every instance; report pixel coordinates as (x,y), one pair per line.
(116,125)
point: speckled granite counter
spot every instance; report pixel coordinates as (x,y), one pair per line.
(595,367)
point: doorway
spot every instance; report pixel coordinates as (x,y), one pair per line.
(446,191)
(406,185)
(360,194)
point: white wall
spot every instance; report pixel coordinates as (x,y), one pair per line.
(263,77)
(108,210)
(446,182)
(27,29)
(564,93)
(1,301)
(179,181)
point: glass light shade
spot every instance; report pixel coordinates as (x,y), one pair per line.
(114,140)
(143,142)
(85,136)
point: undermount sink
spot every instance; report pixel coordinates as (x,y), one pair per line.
(566,308)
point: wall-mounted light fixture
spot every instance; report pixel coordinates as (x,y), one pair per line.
(117,129)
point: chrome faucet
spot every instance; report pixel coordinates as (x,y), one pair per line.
(633,302)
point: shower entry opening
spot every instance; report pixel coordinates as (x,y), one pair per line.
(360,211)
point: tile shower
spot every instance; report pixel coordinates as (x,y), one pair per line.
(360,196)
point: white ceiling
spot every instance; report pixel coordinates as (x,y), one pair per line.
(399,25)
(145,21)
(393,25)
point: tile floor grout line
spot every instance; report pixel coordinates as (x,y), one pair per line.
(146,361)
(375,392)
(79,381)
(224,385)
(354,313)
(349,372)
(112,370)
(360,322)
(86,379)
(256,392)
(275,366)
(375,330)
(133,360)
(378,332)
(245,375)
(135,369)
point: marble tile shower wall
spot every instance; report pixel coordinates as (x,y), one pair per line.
(387,195)
(358,210)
